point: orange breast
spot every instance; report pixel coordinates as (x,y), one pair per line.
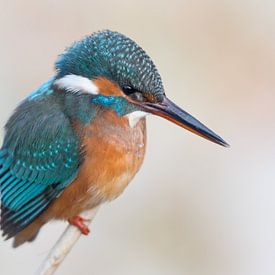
(113,153)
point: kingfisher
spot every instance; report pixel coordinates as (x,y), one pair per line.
(80,138)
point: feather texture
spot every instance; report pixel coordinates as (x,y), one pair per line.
(39,158)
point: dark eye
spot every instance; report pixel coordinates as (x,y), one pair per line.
(128,90)
(133,93)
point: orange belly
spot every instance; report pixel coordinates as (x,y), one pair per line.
(113,153)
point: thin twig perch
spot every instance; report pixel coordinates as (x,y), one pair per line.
(64,245)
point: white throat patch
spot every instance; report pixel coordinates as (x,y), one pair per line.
(76,83)
(134,117)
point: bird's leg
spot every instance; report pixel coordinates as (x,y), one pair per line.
(79,223)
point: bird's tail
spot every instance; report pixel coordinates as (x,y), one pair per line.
(28,234)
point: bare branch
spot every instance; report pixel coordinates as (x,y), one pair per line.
(64,245)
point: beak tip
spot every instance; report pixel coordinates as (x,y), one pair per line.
(223,143)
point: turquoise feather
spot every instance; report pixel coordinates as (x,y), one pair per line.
(36,161)
(24,211)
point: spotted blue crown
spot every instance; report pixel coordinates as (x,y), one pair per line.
(114,56)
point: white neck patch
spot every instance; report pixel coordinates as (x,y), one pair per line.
(134,117)
(76,83)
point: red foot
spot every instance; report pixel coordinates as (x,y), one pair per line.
(79,223)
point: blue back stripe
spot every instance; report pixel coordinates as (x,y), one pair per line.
(24,197)
(37,205)
(26,207)
(3,179)
(11,183)
(21,188)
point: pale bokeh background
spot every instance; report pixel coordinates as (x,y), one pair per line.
(195,208)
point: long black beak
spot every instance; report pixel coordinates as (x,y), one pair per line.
(170,111)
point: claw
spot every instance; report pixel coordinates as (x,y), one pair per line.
(79,223)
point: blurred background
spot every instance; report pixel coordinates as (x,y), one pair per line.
(194,208)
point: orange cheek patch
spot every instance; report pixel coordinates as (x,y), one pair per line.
(107,87)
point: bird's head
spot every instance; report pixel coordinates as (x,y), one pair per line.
(122,77)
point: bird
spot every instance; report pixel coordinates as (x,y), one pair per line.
(77,141)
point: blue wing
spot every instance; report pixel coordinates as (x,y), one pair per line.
(39,158)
